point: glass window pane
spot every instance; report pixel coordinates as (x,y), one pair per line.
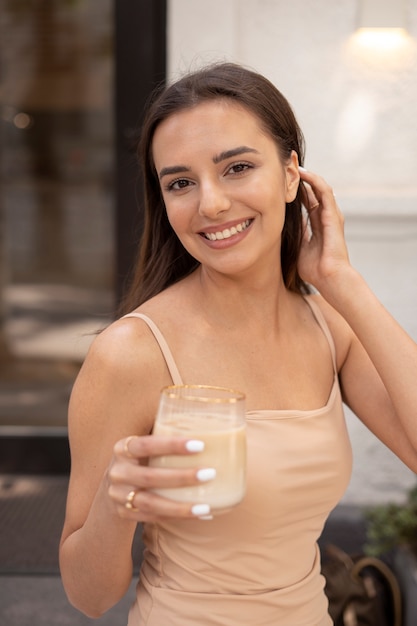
(56,199)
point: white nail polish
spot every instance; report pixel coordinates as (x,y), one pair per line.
(194,445)
(200,509)
(302,169)
(207,473)
(206,517)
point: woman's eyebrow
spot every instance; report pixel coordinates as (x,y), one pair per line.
(227,154)
(174,169)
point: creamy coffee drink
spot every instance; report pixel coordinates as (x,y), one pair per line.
(225,450)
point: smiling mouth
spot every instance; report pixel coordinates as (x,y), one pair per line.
(227,232)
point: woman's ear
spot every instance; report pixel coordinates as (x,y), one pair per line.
(292,177)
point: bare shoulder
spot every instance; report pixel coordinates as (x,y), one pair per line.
(126,344)
(340,330)
(126,348)
(118,386)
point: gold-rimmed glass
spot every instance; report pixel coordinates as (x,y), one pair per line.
(216,416)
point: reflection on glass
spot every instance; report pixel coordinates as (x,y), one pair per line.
(56,202)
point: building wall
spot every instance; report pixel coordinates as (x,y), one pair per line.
(358,118)
(358,115)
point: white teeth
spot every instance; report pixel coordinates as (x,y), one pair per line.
(228,232)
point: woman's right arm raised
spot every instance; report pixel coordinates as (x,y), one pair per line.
(115,396)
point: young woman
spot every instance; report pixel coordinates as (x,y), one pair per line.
(222,284)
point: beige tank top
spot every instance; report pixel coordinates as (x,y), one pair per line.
(258,565)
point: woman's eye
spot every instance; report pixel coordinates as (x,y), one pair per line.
(177,185)
(238,168)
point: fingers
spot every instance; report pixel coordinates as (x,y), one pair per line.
(323,254)
(144,477)
(146,446)
(132,482)
(321,205)
(126,449)
(311,203)
(317,189)
(147,506)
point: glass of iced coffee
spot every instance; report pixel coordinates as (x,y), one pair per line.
(216,416)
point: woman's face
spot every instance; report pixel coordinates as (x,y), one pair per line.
(224,185)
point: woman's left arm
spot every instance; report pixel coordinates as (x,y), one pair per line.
(379,374)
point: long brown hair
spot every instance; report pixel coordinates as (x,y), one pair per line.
(162,258)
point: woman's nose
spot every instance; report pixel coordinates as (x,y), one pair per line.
(213,200)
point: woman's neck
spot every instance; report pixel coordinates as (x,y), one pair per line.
(238,301)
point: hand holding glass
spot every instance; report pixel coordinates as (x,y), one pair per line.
(216,416)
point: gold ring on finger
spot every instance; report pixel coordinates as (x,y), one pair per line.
(129,500)
(126,447)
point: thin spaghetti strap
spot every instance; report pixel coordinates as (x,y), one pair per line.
(323,325)
(165,349)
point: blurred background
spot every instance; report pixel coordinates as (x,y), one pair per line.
(57,194)
(74,78)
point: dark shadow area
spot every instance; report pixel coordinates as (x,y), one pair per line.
(31,520)
(34,453)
